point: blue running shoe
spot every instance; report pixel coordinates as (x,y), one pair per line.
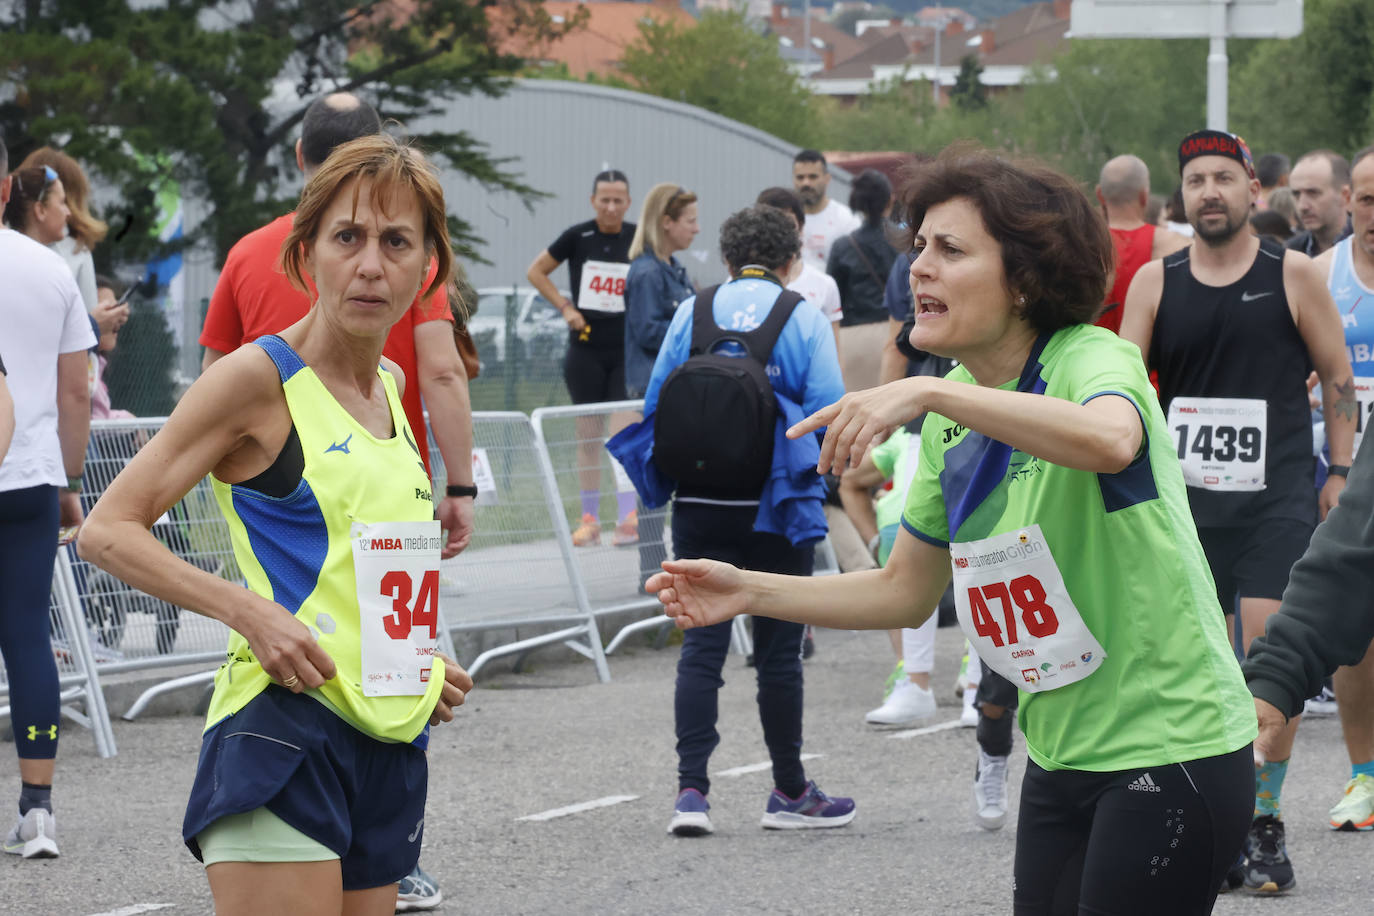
(689,815)
(813,809)
(418,891)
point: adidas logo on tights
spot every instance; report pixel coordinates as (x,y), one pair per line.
(1144,784)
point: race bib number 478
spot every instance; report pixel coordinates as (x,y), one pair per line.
(396,566)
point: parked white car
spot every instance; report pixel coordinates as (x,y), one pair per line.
(517,314)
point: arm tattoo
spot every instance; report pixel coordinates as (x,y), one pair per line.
(1345,404)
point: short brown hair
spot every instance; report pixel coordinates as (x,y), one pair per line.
(392,166)
(84,228)
(1056,251)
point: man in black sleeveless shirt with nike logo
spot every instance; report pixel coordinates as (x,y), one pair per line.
(1233,325)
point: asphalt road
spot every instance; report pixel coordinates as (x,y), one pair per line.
(553,738)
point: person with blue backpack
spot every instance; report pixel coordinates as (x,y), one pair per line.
(740,362)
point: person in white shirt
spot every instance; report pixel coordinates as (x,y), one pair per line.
(43,349)
(816,286)
(826,219)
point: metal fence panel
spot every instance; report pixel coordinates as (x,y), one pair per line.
(517,571)
(612,567)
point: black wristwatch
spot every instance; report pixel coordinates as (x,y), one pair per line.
(1340,470)
(460,489)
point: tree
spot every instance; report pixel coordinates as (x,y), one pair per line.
(1312,91)
(969,92)
(723,65)
(214,90)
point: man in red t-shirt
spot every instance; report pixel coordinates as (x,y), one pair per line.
(253,297)
(1123,189)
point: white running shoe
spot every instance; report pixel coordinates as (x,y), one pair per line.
(35,836)
(907,704)
(969,717)
(990,791)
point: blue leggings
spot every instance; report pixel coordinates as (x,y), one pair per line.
(28,549)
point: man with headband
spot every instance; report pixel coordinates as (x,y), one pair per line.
(1233,325)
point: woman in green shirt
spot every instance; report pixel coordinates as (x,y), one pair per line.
(1048,488)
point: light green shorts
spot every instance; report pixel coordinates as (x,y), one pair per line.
(258,836)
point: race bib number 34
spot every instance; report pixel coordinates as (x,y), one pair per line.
(1220,441)
(1015,609)
(396,566)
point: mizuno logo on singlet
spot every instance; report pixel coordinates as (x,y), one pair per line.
(1251,297)
(340,446)
(1144,784)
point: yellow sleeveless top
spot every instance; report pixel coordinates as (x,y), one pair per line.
(297,550)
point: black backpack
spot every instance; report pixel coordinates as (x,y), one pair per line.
(713,427)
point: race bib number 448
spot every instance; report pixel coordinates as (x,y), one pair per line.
(1015,609)
(603,286)
(396,565)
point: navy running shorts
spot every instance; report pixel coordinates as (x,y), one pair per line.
(362,798)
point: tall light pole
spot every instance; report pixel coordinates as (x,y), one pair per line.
(941,21)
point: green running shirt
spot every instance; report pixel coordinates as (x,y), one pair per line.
(297,550)
(1170,689)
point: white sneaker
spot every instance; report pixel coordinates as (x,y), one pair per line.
(990,791)
(1320,706)
(907,704)
(969,717)
(35,836)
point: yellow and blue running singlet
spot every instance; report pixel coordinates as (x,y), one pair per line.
(296,550)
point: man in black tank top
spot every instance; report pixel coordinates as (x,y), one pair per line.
(1233,325)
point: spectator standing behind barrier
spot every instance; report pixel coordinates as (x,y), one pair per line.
(826,219)
(772,526)
(43,347)
(333,541)
(1048,486)
(598,256)
(1349,270)
(1321,185)
(1123,190)
(657,284)
(856,263)
(1232,325)
(84,231)
(815,285)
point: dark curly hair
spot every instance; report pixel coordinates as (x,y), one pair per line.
(1056,251)
(761,235)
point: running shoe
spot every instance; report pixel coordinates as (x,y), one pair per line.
(898,673)
(587,533)
(1355,810)
(1320,706)
(813,809)
(418,891)
(908,704)
(35,836)
(689,815)
(1267,867)
(990,791)
(968,718)
(626,530)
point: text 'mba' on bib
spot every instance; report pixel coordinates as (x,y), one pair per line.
(1015,608)
(299,551)
(1220,441)
(603,286)
(1110,567)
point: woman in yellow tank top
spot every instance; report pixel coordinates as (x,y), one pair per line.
(309,796)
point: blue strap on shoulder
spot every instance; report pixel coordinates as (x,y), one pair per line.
(288,361)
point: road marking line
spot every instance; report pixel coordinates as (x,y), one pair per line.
(758,767)
(928,730)
(578,808)
(136,908)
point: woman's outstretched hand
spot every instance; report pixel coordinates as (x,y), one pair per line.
(859,420)
(698,593)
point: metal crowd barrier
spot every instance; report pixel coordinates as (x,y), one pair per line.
(519,570)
